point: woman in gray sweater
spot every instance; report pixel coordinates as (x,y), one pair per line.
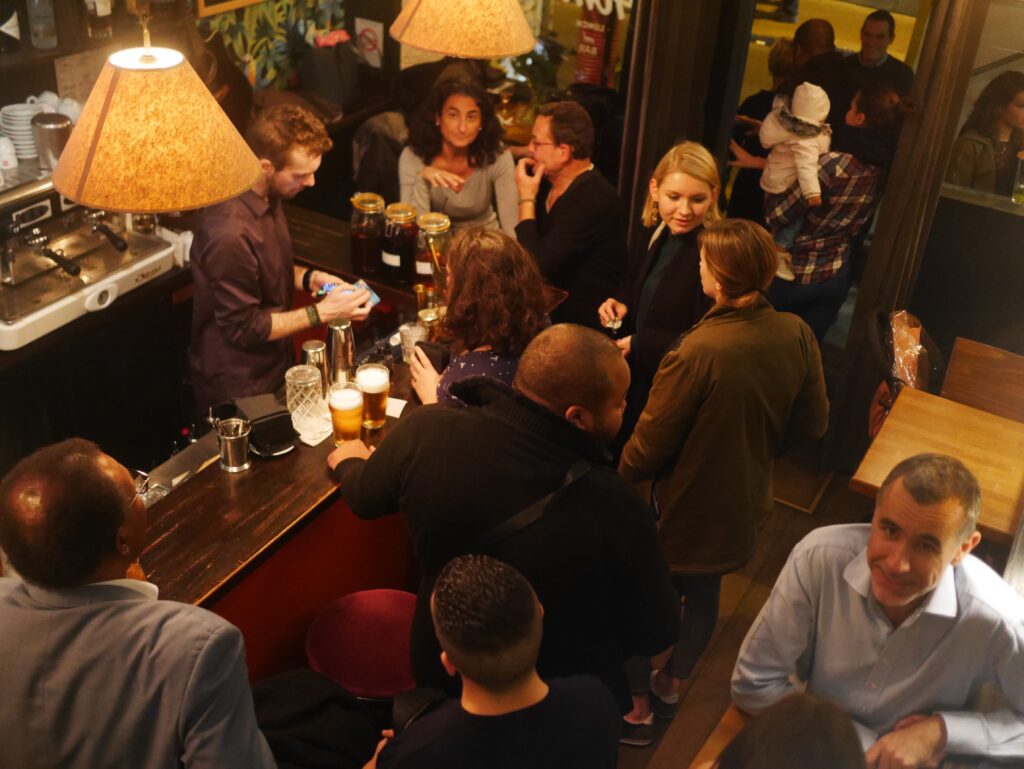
(455,163)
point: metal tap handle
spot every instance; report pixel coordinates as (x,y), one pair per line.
(67,265)
(115,240)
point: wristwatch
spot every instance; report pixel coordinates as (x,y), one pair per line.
(313,314)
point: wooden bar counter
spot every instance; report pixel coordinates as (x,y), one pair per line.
(269,547)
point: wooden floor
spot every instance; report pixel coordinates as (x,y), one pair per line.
(743,593)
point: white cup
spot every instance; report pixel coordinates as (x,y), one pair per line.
(8,157)
(46,97)
(71,108)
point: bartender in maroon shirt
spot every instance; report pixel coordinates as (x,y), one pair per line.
(243,270)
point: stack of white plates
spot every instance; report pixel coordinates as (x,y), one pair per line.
(16,124)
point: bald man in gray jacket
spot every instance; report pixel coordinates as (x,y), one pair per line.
(94,670)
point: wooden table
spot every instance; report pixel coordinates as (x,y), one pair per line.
(992,447)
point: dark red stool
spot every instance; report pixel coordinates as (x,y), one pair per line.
(361,641)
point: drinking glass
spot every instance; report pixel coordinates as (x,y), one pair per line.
(374,380)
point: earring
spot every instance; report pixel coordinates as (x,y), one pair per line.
(657,213)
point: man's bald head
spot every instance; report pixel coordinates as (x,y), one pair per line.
(60,511)
(569,367)
(813,37)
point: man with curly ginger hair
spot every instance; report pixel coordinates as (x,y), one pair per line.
(456,474)
(244,272)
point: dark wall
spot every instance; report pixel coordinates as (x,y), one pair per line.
(971,281)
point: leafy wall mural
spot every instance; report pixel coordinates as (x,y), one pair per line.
(263,36)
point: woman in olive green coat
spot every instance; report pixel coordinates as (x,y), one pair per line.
(736,390)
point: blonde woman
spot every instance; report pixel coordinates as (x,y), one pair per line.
(661,297)
(741,386)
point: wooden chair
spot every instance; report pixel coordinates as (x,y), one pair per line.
(992,380)
(986,378)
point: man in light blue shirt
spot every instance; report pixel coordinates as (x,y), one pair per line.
(898,624)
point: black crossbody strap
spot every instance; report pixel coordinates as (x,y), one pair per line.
(530,514)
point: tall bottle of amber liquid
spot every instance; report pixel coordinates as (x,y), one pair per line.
(399,242)
(431,247)
(101,20)
(367,231)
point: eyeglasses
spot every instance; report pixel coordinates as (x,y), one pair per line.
(534,143)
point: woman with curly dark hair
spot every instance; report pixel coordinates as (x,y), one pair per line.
(985,153)
(496,305)
(455,163)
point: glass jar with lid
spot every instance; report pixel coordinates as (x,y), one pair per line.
(399,251)
(431,250)
(367,231)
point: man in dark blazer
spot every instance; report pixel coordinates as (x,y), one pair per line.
(570,217)
(94,670)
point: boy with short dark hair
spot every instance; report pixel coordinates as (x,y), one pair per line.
(489,623)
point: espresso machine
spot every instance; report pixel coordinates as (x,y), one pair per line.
(59,261)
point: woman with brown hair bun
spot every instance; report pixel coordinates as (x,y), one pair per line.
(734,392)
(495,307)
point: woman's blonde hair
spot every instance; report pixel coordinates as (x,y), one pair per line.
(692,159)
(740,255)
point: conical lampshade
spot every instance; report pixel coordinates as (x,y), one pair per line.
(472,29)
(151,138)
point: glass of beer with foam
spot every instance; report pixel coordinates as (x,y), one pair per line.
(345,400)
(374,380)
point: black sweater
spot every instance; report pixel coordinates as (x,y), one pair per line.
(594,558)
(677,304)
(579,245)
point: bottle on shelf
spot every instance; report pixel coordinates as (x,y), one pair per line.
(42,24)
(101,22)
(10,29)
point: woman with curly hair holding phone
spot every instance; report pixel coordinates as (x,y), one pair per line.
(496,305)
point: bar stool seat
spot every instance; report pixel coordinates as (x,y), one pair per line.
(361,641)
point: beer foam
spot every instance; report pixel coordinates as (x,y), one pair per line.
(372,380)
(345,398)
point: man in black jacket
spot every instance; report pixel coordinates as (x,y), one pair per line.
(593,557)
(873,63)
(570,217)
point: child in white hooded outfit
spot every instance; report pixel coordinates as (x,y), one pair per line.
(797,136)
